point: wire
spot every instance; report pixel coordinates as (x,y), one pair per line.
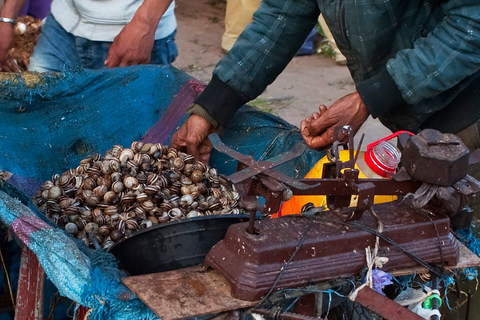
(285,267)
(383,237)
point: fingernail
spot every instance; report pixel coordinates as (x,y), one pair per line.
(305,131)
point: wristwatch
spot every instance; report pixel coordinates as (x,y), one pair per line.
(8,20)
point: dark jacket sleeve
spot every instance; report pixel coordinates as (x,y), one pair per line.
(438,62)
(260,54)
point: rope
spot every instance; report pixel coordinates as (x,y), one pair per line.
(371,259)
(8,280)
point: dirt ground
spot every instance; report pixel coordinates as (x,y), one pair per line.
(307,82)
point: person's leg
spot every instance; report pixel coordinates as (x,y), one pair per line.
(237,16)
(55,48)
(339,57)
(164,50)
(92,53)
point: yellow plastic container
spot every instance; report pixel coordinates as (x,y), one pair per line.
(295,204)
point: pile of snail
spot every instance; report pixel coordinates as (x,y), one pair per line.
(106,199)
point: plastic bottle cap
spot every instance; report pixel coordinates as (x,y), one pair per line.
(383,158)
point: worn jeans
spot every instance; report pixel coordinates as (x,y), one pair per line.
(57,48)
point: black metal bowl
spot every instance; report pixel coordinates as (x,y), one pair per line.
(173,245)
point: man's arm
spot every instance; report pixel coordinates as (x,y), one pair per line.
(260,54)
(10,10)
(438,62)
(134,43)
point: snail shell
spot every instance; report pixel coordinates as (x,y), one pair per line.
(71,228)
(105,230)
(81,224)
(189,159)
(99,220)
(91,227)
(130,182)
(65,180)
(189,168)
(100,190)
(132,224)
(137,146)
(111,210)
(156,211)
(138,159)
(175,213)
(172,153)
(107,243)
(116,149)
(55,192)
(86,215)
(147,205)
(152,189)
(192,214)
(93,200)
(86,193)
(116,176)
(185,180)
(153,219)
(47,185)
(178,163)
(215,206)
(118,186)
(186,199)
(215,192)
(127,199)
(146,147)
(158,198)
(185,190)
(125,155)
(164,217)
(141,197)
(97,212)
(200,166)
(146,223)
(89,184)
(65,202)
(197,176)
(116,235)
(142,178)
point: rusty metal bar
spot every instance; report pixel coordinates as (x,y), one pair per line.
(338,187)
(383,306)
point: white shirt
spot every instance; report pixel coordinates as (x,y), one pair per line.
(102,20)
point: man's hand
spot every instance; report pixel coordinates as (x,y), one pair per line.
(132,46)
(6,41)
(192,138)
(317,129)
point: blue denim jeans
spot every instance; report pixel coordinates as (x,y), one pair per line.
(57,48)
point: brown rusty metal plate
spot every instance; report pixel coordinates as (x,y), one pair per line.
(251,263)
(383,306)
(185,293)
